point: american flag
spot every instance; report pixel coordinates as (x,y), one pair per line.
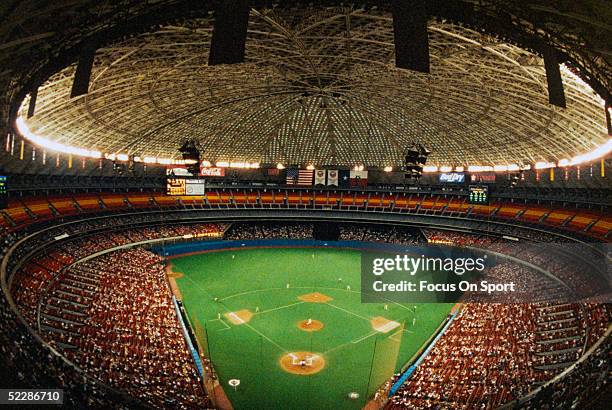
(299,176)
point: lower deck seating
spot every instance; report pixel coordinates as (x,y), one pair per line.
(113,316)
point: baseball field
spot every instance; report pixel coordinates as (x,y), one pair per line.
(289,325)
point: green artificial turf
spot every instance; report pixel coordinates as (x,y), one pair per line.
(358,359)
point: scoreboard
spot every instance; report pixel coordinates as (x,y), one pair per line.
(184,186)
(3,192)
(479,194)
(176,186)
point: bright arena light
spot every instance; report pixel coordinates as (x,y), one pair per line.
(242,165)
(599,152)
(563,163)
(480,168)
(585,88)
(544,165)
(23,129)
(501,168)
(233,164)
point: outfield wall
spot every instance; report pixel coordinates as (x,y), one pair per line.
(181,249)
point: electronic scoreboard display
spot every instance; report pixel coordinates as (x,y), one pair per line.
(176,186)
(478,195)
(184,186)
(3,192)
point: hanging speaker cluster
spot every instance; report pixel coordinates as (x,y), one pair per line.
(415,158)
(191,155)
(515,178)
(118,168)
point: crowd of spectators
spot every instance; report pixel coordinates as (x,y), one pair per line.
(35,364)
(458,238)
(124,333)
(565,331)
(124,330)
(581,268)
(517,346)
(36,272)
(28,363)
(482,361)
(582,387)
(530,285)
(381,233)
(348,232)
(269,230)
(497,353)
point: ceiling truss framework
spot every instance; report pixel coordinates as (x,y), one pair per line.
(319,86)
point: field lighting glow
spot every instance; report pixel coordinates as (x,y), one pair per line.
(42,141)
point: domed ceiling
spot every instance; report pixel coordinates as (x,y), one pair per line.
(319,86)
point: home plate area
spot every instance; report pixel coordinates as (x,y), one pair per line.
(305,363)
(302,363)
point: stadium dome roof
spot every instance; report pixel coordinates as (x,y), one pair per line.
(319,86)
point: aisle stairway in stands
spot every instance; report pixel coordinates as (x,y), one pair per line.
(560,337)
(64,307)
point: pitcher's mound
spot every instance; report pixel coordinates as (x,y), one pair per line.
(315,297)
(302,363)
(314,325)
(239,317)
(382,325)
